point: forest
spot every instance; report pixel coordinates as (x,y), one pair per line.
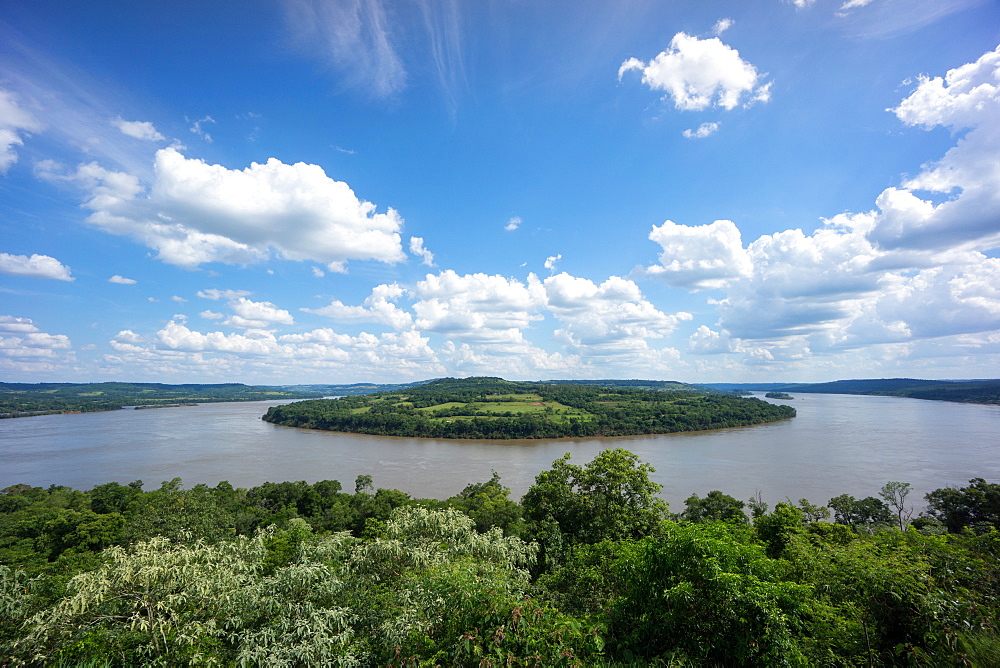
(590,568)
(493,408)
(27,399)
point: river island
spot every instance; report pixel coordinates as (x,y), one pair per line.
(494,408)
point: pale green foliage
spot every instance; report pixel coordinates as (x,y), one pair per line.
(284,598)
(416,537)
(291,619)
(170,592)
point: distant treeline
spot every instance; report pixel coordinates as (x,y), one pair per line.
(590,568)
(493,408)
(20,399)
(973,391)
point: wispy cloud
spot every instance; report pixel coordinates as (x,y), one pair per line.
(354,37)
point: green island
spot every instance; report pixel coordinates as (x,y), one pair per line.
(493,408)
(778,395)
(28,399)
(589,568)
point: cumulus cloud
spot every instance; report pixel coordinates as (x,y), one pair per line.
(417,248)
(698,73)
(378,307)
(703,130)
(609,319)
(121,280)
(902,279)
(477,307)
(513,224)
(25,349)
(248,314)
(196,212)
(15,122)
(966,178)
(700,257)
(138,129)
(35,266)
(706,341)
(550,262)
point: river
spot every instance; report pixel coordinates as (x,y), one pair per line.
(838,444)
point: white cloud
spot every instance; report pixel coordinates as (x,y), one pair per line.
(14,123)
(211,315)
(701,257)
(722,25)
(121,280)
(35,266)
(196,213)
(318,273)
(966,178)
(378,307)
(698,73)
(9,323)
(25,349)
(198,130)
(215,294)
(550,262)
(854,4)
(911,278)
(260,311)
(138,129)
(417,248)
(706,341)
(513,224)
(704,130)
(610,319)
(178,299)
(477,307)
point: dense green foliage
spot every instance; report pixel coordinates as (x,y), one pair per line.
(21,399)
(777,395)
(497,409)
(590,569)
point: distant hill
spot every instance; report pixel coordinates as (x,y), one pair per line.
(26,399)
(966,391)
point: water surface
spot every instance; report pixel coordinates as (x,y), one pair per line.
(838,444)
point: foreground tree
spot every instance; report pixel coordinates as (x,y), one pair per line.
(610,498)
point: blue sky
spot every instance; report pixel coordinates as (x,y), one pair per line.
(322,192)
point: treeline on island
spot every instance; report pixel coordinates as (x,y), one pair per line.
(493,408)
(590,568)
(26,399)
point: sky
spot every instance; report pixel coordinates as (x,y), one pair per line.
(307,191)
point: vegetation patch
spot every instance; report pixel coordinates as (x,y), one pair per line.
(493,408)
(27,399)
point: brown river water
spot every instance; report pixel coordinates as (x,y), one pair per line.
(838,444)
